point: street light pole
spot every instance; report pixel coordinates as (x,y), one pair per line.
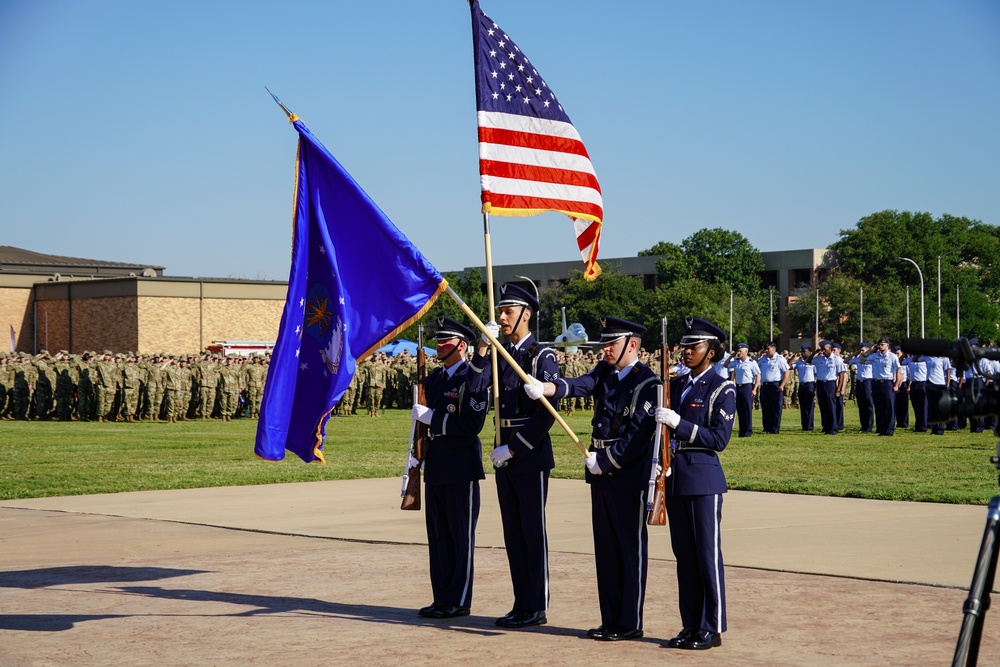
(538,316)
(921,274)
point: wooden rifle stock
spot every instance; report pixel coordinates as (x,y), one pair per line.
(657,515)
(411,496)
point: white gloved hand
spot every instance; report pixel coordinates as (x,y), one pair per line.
(592,465)
(413,462)
(494,330)
(422,414)
(534,389)
(668,417)
(501,455)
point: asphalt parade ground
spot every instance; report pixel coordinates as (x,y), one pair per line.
(325,573)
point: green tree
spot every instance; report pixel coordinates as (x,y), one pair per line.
(721,256)
(967,251)
(672,265)
(695,298)
(611,295)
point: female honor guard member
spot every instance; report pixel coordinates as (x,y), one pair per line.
(524,460)
(702,425)
(453,466)
(624,391)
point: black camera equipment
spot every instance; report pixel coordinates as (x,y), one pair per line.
(975,401)
(971,399)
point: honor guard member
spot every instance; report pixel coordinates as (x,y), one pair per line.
(618,471)
(453,466)
(745,372)
(886,378)
(863,388)
(773,376)
(524,458)
(702,425)
(807,388)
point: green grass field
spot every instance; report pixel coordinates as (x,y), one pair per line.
(54,459)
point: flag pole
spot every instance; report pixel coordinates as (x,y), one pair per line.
(498,349)
(493,316)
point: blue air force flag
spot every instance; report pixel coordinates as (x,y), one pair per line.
(355,282)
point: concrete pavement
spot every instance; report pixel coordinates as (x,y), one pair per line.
(70,570)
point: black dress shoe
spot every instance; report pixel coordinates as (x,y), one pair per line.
(682,636)
(525,619)
(597,633)
(425,611)
(621,634)
(508,616)
(448,611)
(700,640)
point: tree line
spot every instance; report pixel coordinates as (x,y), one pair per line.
(701,274)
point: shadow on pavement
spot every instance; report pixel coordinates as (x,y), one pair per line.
(86,574)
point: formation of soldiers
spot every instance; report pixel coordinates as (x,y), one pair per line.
(130,387)
(381,382)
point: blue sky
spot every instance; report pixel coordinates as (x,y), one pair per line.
(141,132)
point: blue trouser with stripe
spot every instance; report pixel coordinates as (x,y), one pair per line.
(621,554)
(696,538)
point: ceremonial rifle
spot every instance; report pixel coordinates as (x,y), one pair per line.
(656,505)
(418,435)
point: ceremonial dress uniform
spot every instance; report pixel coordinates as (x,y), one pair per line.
(704,407)
(453,466)
(621,439)
(523,479)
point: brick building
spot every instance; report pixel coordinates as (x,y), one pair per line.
(74,304)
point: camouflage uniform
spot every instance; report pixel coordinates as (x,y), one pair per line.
(130,380)
(229,389)
(375,386)
(176,389)
(208,382)
(154,388)
(253,377)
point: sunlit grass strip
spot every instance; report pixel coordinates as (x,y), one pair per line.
(55,459)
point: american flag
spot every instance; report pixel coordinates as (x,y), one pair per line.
(531,158)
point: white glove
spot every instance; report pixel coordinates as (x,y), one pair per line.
(413,462)
(668,417)
(494,330)
(592,465)
(422,414)
(500,456)
(534,389)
